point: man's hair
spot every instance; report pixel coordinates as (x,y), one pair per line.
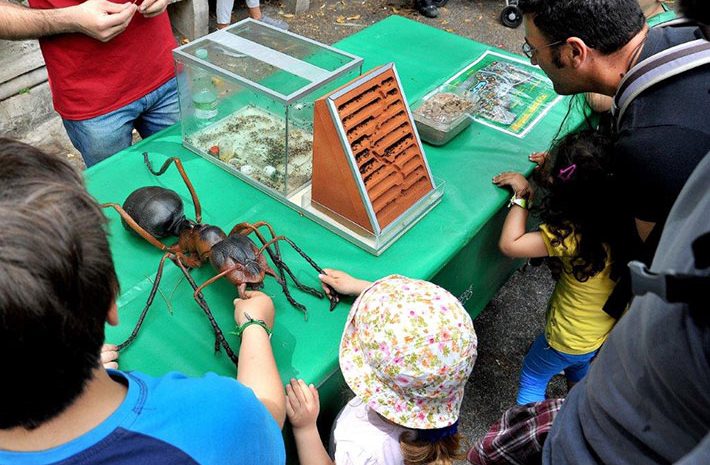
(57,283)
(604,25)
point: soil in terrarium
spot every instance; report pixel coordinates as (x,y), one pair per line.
(253,142)
(444,108)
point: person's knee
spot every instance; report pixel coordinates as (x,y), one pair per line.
(533,384)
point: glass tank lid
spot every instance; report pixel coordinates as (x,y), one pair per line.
(277,62)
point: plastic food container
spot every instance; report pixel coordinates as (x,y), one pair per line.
(440,116)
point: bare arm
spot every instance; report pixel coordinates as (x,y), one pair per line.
(257,367)
(302,407)
(514,241)
(100,19)
(342,282)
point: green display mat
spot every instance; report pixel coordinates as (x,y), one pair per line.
(454,245)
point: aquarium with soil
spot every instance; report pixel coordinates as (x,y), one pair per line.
(246,101)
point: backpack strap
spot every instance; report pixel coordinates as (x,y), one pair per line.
(656,68)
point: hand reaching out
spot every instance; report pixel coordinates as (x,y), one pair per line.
(302,407)
(539,158)
(258,305)
(302,404)
(516,181)
(109,356)
(342,282)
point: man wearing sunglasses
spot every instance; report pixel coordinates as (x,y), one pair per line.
(589,46)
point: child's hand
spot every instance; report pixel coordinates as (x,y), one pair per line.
(539,158)
(258,305)
(109,356)
(302,404)
(342,282)
(516,181)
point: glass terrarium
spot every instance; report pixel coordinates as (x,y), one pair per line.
(247,94)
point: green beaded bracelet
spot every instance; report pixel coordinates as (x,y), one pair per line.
(251,321)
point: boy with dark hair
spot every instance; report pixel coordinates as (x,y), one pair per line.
(589,46)
(58,288)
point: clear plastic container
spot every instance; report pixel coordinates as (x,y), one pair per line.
(441,115)
(246,101)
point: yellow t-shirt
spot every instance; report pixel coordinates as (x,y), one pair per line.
(576,323)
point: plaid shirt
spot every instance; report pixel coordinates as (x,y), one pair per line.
(517,438)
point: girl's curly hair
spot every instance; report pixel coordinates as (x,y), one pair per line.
(579,198)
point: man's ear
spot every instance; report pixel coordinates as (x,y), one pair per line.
(112,315)
(577,52)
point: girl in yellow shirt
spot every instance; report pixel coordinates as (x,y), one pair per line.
(579,231)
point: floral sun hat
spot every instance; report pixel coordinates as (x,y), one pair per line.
(407,350)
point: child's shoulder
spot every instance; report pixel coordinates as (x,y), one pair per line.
(559,241)
(362,436)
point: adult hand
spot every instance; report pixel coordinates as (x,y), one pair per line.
(342,282)
(150,8)
(258,305)
(302,404)
(109,356)
(516,181)
(101,19)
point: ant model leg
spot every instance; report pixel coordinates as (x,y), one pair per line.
(136,227)
(149,302)
(334,297)
(275,257)
(274,254)
(287,293)
(199,298)
(183,174)
(212,280)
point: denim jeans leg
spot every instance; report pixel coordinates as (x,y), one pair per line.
(579,368)
(100,137)
(161,109)
(539,366)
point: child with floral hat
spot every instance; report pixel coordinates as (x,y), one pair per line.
(407,350)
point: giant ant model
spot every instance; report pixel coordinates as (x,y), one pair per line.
(156,212)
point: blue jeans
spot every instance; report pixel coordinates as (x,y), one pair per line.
(100,137)
(541,363)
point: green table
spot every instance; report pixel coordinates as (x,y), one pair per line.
(454,245)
